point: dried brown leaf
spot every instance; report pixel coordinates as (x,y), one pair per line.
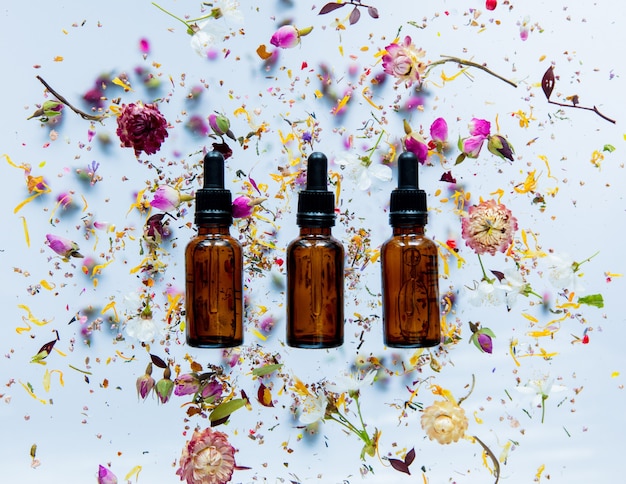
(547,83)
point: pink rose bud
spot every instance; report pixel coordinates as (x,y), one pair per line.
(168,198)
(479,127)
(243,206)
(64,247)
(288,36)
(105,476)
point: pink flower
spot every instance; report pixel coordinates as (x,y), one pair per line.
(208,458)
(145,383)
(404,61)
(243,206)
(64,247)
(479,127)
(488,227)
(186,384)
(491,4)
(105,476)
(471,146)
(168,198)
(141,127)
(285,37)
(414,143)
(439,131)
(220,124)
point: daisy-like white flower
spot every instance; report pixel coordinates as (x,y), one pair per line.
(444,421)
(313,409)
(228,10)
(488,227)
(142,328)
(363,170)
(208,458)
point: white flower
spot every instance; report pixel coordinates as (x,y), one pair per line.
(488,294)
(313,409)
(562,273)
(350,382)
(514,284)
(227,10)
(209,34)
(363,173)
(142,328)
(541,389)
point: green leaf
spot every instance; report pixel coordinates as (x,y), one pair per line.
(225,409)
(592,300)
(609,148)
(266,369)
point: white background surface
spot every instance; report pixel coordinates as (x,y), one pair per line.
(84,424)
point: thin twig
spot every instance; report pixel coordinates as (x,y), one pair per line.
(463,62)
(470,390)
(594,109)
(82,114)
(496,464)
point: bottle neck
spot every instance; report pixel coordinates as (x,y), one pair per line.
(323,231)
(409,230)
(213,229)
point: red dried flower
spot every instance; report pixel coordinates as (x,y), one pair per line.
(141,127)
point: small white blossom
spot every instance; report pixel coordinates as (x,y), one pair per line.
(487,293)
(362,173)
(313,409)
(514,285)
(350,382)
(141,328)
(209,34)
(562,273)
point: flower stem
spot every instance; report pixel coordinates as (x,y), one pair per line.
(82,114)
(482,267)
(463,62)
(496,464)
(368,160)
(172,15)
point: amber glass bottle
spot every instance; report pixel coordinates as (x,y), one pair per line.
(214,266)
(409,261)
(315,272)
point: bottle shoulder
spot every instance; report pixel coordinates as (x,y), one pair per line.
(214,240)
(409,240)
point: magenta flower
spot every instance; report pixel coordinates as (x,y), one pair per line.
(485,342)
(288,36)
(488,227)
(439,133)
(105,476)
(404,62)
(471,146)
(168,198)
(212,391)
(62,246)
(220,125)
(141,127)
(243,206)
(145,383)
(479,127)
(186,384)
(414,143)
(208,458)
(156,230)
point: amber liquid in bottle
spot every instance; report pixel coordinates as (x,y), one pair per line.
(315,278)
(214,282)
(410,289)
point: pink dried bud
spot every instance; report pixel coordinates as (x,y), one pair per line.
(64,247)
(145,383)
(168,198)
(186,384)
(105,476)
(243,206)
(288,36)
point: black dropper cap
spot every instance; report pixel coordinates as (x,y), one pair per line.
(316,205)
(408,202)
(213,202)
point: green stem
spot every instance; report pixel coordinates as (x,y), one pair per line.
(172,15)
(578,264)
(368,160)
(463,62)
(482,267)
